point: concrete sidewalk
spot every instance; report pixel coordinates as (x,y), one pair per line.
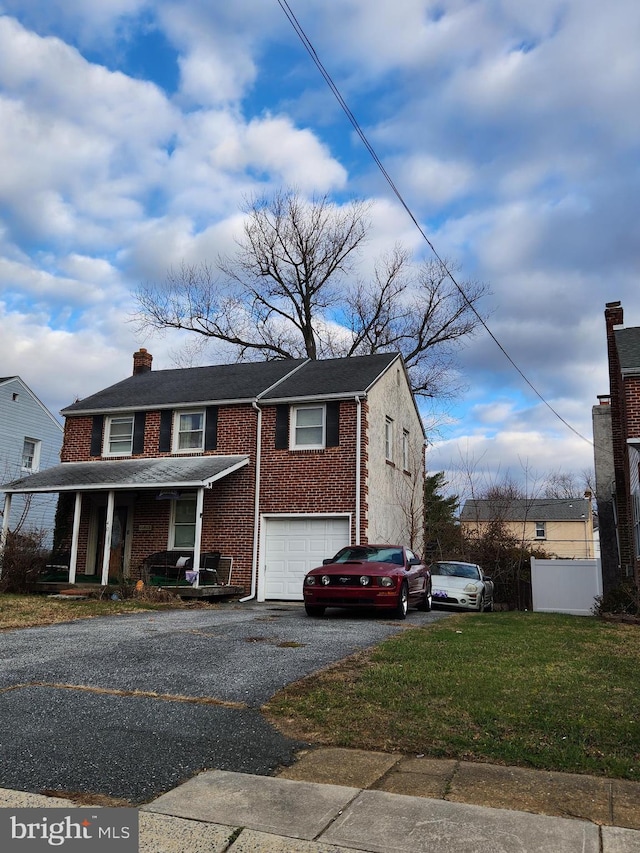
(337,800)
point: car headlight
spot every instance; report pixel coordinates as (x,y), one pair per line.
(326,580)
(471,587)
(364,581)
(310,580)
(386,581)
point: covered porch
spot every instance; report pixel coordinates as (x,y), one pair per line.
(122,512)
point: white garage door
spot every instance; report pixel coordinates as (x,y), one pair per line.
(293,546)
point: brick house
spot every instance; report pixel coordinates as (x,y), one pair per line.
(617,453)
(562,527)
(276,464)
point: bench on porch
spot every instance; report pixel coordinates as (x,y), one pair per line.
(166,568)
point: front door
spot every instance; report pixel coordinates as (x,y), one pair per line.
(118,562)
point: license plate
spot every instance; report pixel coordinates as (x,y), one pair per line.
(439,593)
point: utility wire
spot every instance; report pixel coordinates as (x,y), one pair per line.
(284,5)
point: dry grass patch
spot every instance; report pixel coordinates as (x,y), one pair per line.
(27,611)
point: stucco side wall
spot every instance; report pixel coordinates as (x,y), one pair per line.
(395,495)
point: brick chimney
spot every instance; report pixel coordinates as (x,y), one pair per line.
(142,361)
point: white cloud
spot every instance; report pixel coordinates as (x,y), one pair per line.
(511,128)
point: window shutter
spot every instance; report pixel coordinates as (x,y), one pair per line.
(96,435)
(164,444)
(333,424)
(211,428)
(139,421)
(282,427)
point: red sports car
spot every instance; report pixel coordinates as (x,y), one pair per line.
(385,577)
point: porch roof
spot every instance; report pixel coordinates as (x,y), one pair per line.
(158,473)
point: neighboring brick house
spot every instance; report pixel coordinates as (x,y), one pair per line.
(276,464)
(30,441)
(617,452)
(561,527)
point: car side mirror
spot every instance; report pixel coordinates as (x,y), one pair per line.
(327,560)
(415,561)
(487,578)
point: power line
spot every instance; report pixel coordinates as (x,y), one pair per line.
(284,5)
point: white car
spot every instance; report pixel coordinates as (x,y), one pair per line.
(462,585)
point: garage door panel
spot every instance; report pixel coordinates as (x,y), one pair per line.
(294,546)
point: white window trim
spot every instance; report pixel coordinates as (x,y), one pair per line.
(293,426)
(35,460)
(175,448)
(405,450)
(541,524)
(388,439)
(191,496)
(107,435)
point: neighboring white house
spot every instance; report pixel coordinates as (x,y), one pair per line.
(30,441)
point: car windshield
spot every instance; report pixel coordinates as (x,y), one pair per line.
(368,554)
(458,570)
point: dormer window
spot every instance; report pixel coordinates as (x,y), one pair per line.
(188,432)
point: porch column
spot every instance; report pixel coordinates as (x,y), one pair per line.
(198,533)
(5,526)
(106,554)
(73,558)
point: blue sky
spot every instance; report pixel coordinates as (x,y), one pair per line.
(131,132)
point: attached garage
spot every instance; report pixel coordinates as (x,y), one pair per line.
(294,544)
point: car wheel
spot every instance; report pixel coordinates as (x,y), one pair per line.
(482,606)
(314,609)
(426,602)
(402,606)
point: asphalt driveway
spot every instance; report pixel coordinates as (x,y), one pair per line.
(131,706)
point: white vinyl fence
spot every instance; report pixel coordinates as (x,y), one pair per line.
(565,586)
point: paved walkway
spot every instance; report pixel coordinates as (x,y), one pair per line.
(336,801)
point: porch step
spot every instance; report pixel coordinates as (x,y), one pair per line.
(218,591)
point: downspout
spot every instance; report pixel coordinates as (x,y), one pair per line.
(358,465)
(256,506)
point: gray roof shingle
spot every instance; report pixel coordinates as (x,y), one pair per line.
(159,473)
(628,346)
(541,509)
(221,383)
(332,377)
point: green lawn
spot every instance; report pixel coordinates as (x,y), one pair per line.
(534,690)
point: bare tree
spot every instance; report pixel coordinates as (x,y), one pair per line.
(560,484)
(291,289)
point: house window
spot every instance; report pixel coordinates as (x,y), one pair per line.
(405,449)
(541,532)
(308,428)
(188,432)
(119,436)
(182,531)
(31,455)
(388,439)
